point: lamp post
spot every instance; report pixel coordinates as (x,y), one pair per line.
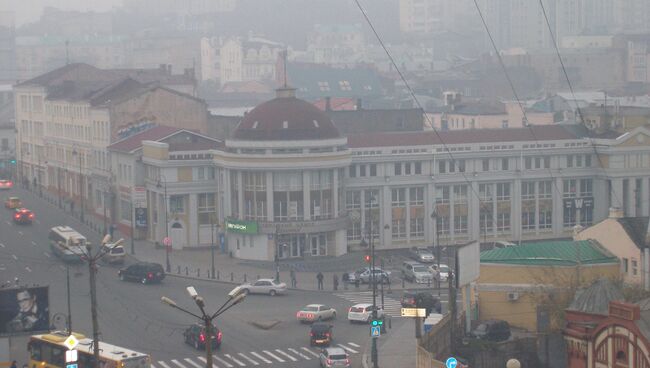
(81,185)
(434,216)
(164,185)
(235,297)
(373,278)
(277,255)
(212,244)
(58,184)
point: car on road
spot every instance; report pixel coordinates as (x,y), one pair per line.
(113,253)
(444,271)
(320,334)
(67,243)
(363,275)
(195,336)
(416,272)
(421,299)
(315,312)
(13,203)
(264,286)
(492,330)
(23,216)
(363,313)
(144,272)
(6,184)
(422,254)
(334,358)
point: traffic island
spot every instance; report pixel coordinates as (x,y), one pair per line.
(265,325)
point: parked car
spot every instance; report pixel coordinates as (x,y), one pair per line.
(23,216)
(143,272)
(422,254)
(334,357)
(363,275)
(195,336)
(492,330)
(416,272)
(113,253)
(320,334)
(421,299)
(363,313)
(315,312)
(264,286)
(444,271)
(6,184)
(13,203)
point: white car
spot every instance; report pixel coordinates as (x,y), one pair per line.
(333,358)
(444,271)
(363,313)
(315,312)
(264,286)
(422,255)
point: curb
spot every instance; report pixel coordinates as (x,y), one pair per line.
(364,360)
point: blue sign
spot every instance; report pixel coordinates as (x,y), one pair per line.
(222,241)
(451,363)
(71,365)
(375,331)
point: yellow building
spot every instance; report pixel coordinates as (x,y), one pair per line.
(523,284)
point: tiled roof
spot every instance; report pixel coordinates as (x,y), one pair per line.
(636,228)
(135,141)
(539,132)
(551,253)
(595,298)
(316,80)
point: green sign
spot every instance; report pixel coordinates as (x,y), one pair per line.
(241,227)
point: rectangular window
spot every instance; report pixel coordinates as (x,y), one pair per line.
(528,219)
(353,171)
(399,228)
(442,194)
(503,191)
(504,164)
(416,196)
(373,169)
(486,164)
(417,227)
(460,224)
(176,204)
(442,167)
(578,160)
(398,168)
(528,190)
(626,268)
(545,218)
(362,170)
(544,189)
(485,192)
(547,162)
(538,163)
(635,268)
(528,163)
(354,231)
(353,199)
(570,189)
(398,197)
(200,173)
(569,161)
(460,194)
(461,165)
(418,168)
(586,187)
(503,221)
(587,160)
(407,168)
(206,208)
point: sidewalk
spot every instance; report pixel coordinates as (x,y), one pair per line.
(398,350)
(197,263)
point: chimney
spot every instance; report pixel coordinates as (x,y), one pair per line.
(615,213)
(359,105)
(328,103)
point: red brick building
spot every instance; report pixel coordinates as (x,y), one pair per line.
(603,331)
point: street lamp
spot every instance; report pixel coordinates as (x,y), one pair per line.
(373,278)
(213,217)
(164,185)
(81,185)
(235,296)
(434,217)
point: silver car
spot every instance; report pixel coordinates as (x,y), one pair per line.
(264,286)
(422,255)
(334,357)
(315,312)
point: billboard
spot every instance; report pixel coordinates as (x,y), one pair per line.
(241,227)
(24,310)
(469,263)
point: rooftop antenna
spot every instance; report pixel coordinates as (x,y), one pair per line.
(67,52)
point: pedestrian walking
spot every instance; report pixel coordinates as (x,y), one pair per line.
(319,278)
(346,280)
(13,364)
(292,276)
(335,282)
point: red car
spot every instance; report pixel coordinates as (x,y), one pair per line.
(6,184)
(23,216)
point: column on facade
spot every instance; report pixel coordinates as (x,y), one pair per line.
(473,210)
(269,196)
(429,206)
(515,210)
(240,193)
(193,220)
(335,193)
(601,199)
(227,201)
(616,195)
(558,210)
(306,194)
(645,197)
(385,218)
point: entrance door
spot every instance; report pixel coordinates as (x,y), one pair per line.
(177,233)
(318,246)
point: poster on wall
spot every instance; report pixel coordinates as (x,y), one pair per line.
(141,217)
(24,310)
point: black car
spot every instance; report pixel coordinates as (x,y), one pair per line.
(421,299)
(320,334)
(195,336)
(492,330)
(143,272)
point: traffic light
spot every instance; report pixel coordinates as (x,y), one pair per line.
(13,162)
(367,258)
(377,322)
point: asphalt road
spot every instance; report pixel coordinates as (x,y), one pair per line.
(131,315)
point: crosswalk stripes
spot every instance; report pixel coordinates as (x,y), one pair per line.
(256,359)
(392,307)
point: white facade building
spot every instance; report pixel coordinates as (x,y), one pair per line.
(253,59)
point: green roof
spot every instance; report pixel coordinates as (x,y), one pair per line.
(551,253)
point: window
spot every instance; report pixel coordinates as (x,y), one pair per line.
(407,168)
(417,227)
(460,224)
(418,168)
(125,210)
(362,170)
(442,167)
(461,165)
(528,190)
(353,171)
(544,189)
(460,194)
(486,164)
(578,160)
(398,197)
(485,192)
(547,162)
(569,188)
(504,123)
(373,169)
(354,231)
(545,218)
(569,161)
(586,187)
(353,199)
(442,194)
(176,204)
(503,191)
(398,168)
(416,196)
(503,221)
(635,269)
(625,265)
(587,160)
(399,228)
(528,163)
(504,164)
(206,208)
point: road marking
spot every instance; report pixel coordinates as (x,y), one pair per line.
(261,357)
(14,257)
(299,353)
(310,352)
(47,254)
(249,359)
(205,361)
(28,269)
(222,361)
(34,243)
(153,366)
(163,364)
(347,348)
(273,356)
(2,245)
(21,233)
(178,363)
(192,363)
(355,345)
(287,355)
(239,363)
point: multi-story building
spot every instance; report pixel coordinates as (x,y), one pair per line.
(289,175)
(7,132)
(433,16)
(251,59)
(336,44)
(66,119)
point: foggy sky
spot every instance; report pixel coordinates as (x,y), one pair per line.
(30,10)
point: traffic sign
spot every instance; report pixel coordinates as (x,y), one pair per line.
(71,342)
(451,363)
(71,365)
(71,356)
(375,331)
(167,241)
(414,312)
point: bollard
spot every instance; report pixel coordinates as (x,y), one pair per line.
(187,271)
(218,275)
(232,277)
(244,277)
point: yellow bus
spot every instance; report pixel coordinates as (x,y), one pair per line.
(48,351)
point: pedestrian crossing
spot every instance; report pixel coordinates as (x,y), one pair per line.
(392,307)
(254,358)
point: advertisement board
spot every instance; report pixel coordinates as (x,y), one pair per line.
(241,226)
(24,310)
(141,217)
